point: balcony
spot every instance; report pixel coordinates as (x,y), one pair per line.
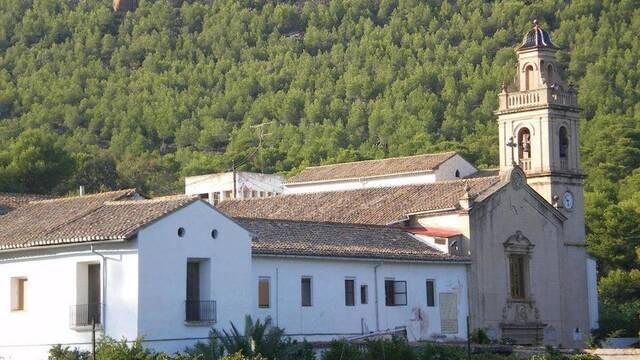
(200,311)
(85,315)
(538,97)
(525,164)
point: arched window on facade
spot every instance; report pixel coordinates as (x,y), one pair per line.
(549,73)
(524,148)
(528,80)
(563,143)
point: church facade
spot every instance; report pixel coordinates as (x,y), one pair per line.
(522,225)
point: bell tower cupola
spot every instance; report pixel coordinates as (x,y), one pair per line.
(538,120)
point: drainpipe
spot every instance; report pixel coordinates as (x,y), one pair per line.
(104,289)
(375,291)
(277,298)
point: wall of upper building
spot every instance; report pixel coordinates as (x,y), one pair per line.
(220,187)
(456,167)
(329,316)
(200,245)
(51,305)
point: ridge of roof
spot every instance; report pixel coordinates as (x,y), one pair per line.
(389,158)
(379,205)
(365,168)
(121,193)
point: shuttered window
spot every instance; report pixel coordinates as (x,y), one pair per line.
(517,275)
(305,285)
(263,293)
(395,293)
(349,292)
(431,293)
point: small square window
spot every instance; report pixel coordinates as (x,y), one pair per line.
(395,293)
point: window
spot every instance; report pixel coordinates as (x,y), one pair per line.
(517,274)
(528,80)
(263,293)
(457,173)
(431,293)
(18,291)
(395,293)
(305,288)
(88,307)
(349,292)
(246,193)
(563,142)
(254,193)
(216,198)
(364,294)
(226,195)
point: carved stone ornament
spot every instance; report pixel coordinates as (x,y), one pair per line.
(520,312)
(517,178)
(518,243)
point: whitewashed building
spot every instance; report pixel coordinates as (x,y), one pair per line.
(169,269)
(233,185)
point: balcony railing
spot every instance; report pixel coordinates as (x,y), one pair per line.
(537,97)
(85,315)
(200,311)
(525,164)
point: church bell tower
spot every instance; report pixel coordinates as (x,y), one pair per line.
(538,128)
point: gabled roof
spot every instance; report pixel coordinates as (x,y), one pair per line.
(368,168)
(104,216)
(321,239)
(9,201)
(378,206)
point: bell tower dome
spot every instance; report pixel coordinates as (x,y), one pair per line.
(538,123)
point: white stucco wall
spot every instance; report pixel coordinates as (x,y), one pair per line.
(329,317)
(163,262)
(52,290)
(219,183)
(447,170)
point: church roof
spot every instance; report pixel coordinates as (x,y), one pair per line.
(104,216)
(9,201)
(367,168)
(537,38)
(321,239)
(376,206)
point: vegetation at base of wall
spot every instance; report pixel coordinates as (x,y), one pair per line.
(175,88)
(388,349)
(260,338)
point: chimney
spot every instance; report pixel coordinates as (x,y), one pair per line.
(81,191)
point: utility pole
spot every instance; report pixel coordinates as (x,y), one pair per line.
(261,135)
(233,168)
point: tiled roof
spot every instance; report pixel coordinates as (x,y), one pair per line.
(379,206)
(302,238)
(10,202)
(537,38)
(357,169)
(110,215)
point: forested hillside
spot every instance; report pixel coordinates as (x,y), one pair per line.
(175,88)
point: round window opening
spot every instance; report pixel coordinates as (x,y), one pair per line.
(181,232)
(214,233)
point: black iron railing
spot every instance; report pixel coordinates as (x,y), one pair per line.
(85,315)
(200,310)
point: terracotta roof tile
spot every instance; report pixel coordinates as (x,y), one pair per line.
(10,201)
(303,238)
(111,215)
(379,206)
(357,169)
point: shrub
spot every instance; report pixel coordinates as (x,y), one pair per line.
(58,352)
(395,349)
(439,352)
(479,336)
(342,350)
(110,349)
